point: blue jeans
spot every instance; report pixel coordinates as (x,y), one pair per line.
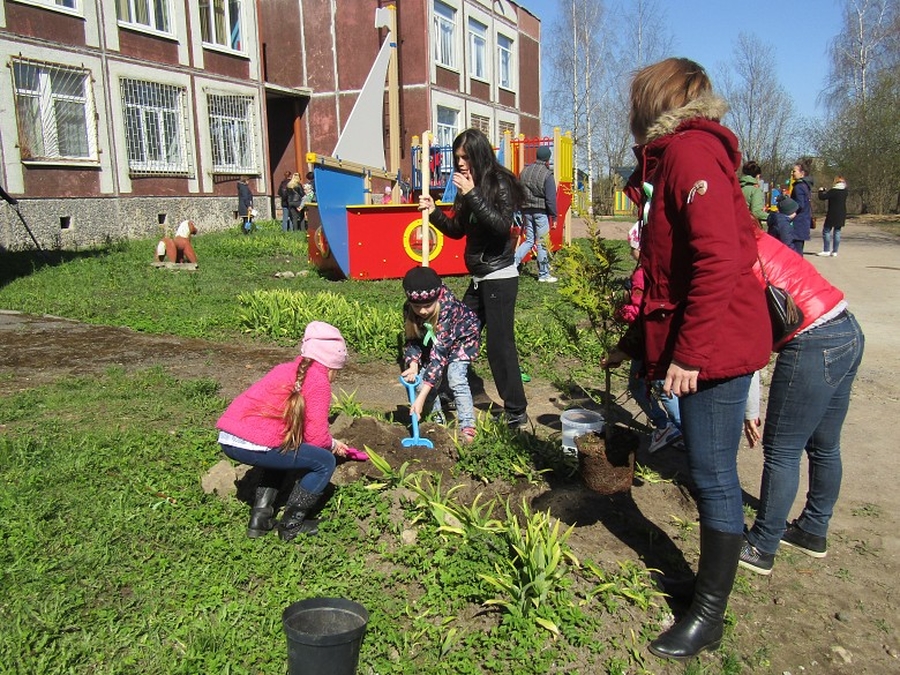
(536,227)
(659,408)
(458,382)
(827,238)
(712,421)
(808,401)
(285,219)
(318,462)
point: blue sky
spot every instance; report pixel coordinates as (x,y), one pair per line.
(799,32)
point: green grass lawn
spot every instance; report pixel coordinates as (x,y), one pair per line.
(115,561)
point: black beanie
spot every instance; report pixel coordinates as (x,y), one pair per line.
(422,285)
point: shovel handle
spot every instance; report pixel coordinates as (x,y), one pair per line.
(411,387)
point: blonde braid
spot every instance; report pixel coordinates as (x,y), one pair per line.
(295,410)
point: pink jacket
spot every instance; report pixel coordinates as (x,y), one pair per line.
(631,310)
(702,305)
(812,292)
(255,415)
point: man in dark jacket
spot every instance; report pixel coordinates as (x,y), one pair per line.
(285,207)
(245,204)
(538,210)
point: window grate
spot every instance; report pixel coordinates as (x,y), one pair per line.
(503,127)
(155,123)
(482,123)
(55,111)
(232,130)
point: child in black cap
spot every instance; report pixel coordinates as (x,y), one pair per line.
(442,334)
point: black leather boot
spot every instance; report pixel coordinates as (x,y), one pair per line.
(701,628)
(262,514)
(293,522)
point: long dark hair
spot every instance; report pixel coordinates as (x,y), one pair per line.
(486,170)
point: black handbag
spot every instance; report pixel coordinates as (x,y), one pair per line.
(786,317)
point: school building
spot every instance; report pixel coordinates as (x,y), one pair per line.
(124,117)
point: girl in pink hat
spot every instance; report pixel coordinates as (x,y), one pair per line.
(281,424)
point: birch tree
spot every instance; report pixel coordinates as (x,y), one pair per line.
(760,109)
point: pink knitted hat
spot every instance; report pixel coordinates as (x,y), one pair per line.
(324,343)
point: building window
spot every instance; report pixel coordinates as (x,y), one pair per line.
(232,128)
(447,125)
(220,23)
(504,62)
(503,127)
(477,49)
(149,13)
(67,4)
(55,111)
(154,127)
(482,123)
(444,35)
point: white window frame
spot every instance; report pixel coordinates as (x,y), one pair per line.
(478,54)
(445,132)
(67,6)
(48,118)
(232,18)
(155,119)
(444,27)
(157,12)
(233,136)
(505,62)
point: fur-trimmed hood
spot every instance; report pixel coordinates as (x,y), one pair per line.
(708,106)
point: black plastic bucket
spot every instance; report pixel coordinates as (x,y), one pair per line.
(324,635)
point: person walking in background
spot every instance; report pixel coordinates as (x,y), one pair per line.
(704,326)
(808,401)
(836,197)
(801,190)
(295,200)
(781,223)
(538,211)
(283,196)
(487,197)
(245,204)
(281,424)
(661,409)
(442,336)
(753,194)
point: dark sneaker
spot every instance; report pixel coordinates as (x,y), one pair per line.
(513,420)
(755,560)
(810,544)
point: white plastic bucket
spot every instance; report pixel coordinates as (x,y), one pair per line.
(578,421)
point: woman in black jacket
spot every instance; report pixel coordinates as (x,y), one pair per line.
(837,214)
(488,196)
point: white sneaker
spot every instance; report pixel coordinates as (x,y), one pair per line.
(834,255)
(661,438)
(825,254)
(548,279)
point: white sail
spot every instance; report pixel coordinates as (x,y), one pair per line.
(362,139)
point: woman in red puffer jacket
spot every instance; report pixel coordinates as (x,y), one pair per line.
(808,400)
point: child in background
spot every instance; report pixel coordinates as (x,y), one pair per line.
(442,334)
(648,395)
(780,223)
(281,424)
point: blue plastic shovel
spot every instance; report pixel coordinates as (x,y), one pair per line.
(414,440)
